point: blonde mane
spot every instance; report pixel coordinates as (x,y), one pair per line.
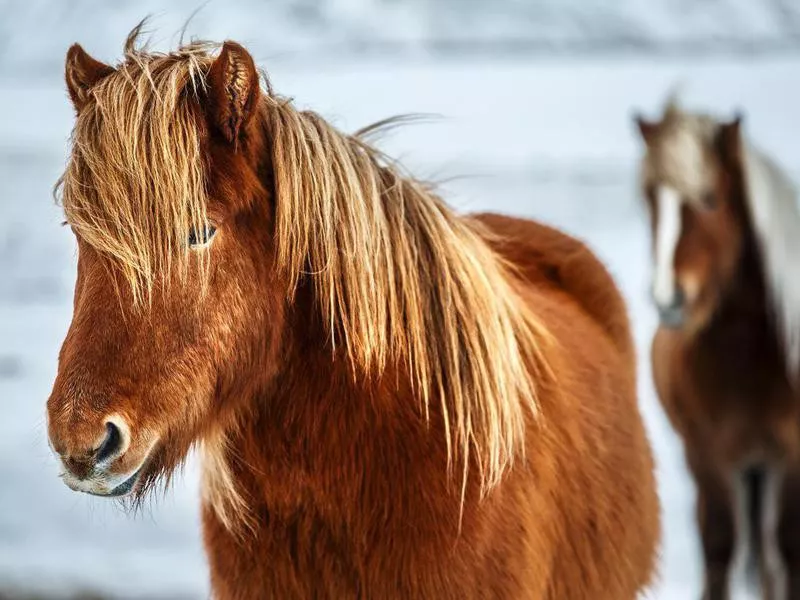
(772,200)
(399,278)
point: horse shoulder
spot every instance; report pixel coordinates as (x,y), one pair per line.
(670,381)
(554,260)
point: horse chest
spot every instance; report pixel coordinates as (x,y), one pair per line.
(742,405)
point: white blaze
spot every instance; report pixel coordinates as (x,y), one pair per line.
(668,232)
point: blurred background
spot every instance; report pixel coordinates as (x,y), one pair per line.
(534,101)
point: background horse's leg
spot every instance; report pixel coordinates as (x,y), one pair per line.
(715,520)
(788,533)
(763,486)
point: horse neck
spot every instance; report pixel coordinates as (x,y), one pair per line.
(744,307)
(308,442)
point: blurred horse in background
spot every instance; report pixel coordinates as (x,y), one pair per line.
(392,401)
(726,239)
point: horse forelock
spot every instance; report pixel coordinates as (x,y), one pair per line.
(680,155)
(135,183)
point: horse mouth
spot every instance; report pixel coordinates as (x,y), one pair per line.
(99,483)
(129,485)
(124,488)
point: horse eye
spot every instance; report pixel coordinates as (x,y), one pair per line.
(201,237)
(709,200)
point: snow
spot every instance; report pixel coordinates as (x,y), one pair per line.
(544,138)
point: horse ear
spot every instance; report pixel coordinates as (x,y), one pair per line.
(648,129)
(729,138)
(233,91)
(82,72)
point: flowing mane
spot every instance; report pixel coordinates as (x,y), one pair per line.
(772,200)
(398,277)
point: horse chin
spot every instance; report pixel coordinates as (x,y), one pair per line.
(132,486)
(125,488)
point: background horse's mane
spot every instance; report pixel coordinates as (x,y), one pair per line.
(398,277)
(771,199)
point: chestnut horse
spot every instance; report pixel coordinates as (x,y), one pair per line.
(391,401)
(727,287)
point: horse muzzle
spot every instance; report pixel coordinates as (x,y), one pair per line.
(672,317)
(96,470)
(672,314)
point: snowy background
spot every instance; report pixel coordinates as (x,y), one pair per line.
(535,101)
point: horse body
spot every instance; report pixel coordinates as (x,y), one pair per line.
(351,501)
(391,400)
(723,370)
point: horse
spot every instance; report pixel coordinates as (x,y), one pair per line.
(390,400)
(725,355)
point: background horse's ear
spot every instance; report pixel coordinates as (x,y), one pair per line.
(647,128)
(729,139)
(82,72)
(233,90)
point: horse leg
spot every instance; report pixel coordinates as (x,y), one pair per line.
(715,519)
(761,487)
(786,536)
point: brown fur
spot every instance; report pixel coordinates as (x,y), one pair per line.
(722,376)
(340,349)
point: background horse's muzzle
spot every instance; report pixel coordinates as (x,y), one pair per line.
(673,315)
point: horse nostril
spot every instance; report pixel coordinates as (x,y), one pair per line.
(111,444)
